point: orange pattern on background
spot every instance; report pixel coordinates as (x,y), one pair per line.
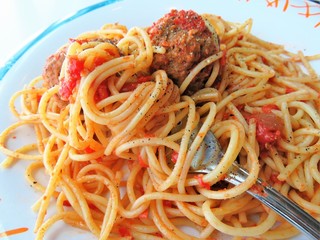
(13,232)
(308,9)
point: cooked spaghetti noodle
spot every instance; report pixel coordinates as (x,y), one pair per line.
(118,170)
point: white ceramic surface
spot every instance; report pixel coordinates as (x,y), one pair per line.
(294,24)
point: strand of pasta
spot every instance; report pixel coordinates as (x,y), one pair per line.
(157,92)
(27,114)
(111,211)
(97,76)
(197,69)
(13,153)
(236,137)
(51,187)
(9,161)
(242,231)
(52,220)
(205,126)
(45,117)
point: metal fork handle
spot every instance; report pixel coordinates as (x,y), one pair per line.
(315,1)
(279,203)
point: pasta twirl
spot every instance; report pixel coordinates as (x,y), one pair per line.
(118,167)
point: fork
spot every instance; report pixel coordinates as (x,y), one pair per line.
(315,1)
(209,155)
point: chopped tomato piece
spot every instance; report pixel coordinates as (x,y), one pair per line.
(240,107)
(268,127)
(142,162)
(274,178)
(144,215)
(89,150)
(267,135)
(167,203)
(202,184)
(98,61)
(66,203)
(39,96)
(130,86)
(222,177)
(65,89)
(264,153)
(124,232)
(174,156)
(74,68)
(142,79)
(140,189)
(149,135)
(264,60)
(102,92)
(258,190)
(226,116)
(267,108)
(223,59)
(289,90)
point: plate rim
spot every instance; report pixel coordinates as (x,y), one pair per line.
(52,27)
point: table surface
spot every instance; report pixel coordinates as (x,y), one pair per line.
(22,20)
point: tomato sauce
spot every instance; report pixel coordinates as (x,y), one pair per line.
(142,162)
(274,179)
(102,92)
(131,86)
(268,127)
(269,107)
(144,215)
(258,190)
(174,156)
(124,232)
(186,20)
(202,184)
(75,67)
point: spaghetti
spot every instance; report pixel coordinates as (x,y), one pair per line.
(116,167)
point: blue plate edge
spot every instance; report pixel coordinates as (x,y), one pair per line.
(12,60)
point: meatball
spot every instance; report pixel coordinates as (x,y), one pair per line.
(52,68)
(74,68)
(187,41)
(51,73)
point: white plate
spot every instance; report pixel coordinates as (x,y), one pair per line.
(292,23)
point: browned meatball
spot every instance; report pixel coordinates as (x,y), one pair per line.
(52,68)
(74,67)
(187,41)
(51,73)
